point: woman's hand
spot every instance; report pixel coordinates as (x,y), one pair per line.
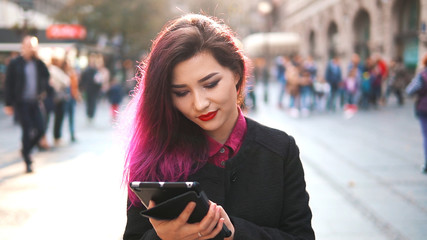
(178,228)
(227,223)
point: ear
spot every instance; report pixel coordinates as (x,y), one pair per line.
(236,79)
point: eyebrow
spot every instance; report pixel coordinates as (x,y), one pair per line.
(205,78)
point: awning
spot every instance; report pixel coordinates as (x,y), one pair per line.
(271,44)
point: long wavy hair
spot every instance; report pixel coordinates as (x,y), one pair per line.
(164,145)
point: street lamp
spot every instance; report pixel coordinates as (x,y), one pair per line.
(265,8)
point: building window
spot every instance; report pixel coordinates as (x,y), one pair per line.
(312,44)
(332,40)
(361,28)
(407,14)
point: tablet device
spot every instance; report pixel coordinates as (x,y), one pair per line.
(162,191)
(171,198)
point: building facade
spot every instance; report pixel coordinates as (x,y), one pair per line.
(391,28)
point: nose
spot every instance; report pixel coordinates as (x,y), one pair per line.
(200,100)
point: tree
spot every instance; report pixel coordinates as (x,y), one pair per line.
(136,21)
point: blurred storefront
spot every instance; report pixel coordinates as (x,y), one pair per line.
(391,28)
(22,17)
(261,45)
(74,50)
(10,47)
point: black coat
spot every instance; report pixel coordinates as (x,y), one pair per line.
(262,189)
(87,81)
(16,80)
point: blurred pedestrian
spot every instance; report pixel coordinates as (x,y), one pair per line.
(355,63)
(281,78)
(397,81)
(75,96)
(115,96)
(129,73)
(351,92)
(47,110)
(334,77)
(305,88)
(250,99)
(91,86)
(26,84)
(60,82)
(311,67)
(188,126)
(378,76)
(365,84)
(351,86)
(418,88)
(102,75)
(293,82)
(321,94)
(376,82)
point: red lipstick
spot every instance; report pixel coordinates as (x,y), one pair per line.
(208,116)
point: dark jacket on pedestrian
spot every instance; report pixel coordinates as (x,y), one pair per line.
(333,74)
(262,188)
(16,80)
(87,80)
(418,87)
(115,94)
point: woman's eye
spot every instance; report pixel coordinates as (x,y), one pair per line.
(212,84)
(180,93)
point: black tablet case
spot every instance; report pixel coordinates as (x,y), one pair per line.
(172,208)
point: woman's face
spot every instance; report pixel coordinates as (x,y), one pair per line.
(205,92)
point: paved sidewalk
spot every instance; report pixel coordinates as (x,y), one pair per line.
(363,173)
(75,191)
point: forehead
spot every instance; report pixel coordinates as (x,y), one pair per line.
(30,42)
(197,67)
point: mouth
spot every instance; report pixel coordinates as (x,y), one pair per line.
(208,116)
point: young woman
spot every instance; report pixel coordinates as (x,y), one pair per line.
(188,126)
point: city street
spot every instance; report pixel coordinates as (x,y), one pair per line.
(362,172)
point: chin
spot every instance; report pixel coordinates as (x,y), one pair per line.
(209,126)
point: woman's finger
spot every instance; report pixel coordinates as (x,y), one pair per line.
(151,204)
(216,230)
(185,214)
(212,220)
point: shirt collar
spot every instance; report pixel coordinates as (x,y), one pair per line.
(234,140)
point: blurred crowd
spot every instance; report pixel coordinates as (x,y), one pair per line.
(364,84)
(69,85)
(38,91)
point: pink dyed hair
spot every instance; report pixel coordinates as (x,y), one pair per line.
(164,145)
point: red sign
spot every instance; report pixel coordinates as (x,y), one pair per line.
(66,31)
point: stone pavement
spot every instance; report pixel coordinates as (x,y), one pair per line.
(75,191)
(362,174)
